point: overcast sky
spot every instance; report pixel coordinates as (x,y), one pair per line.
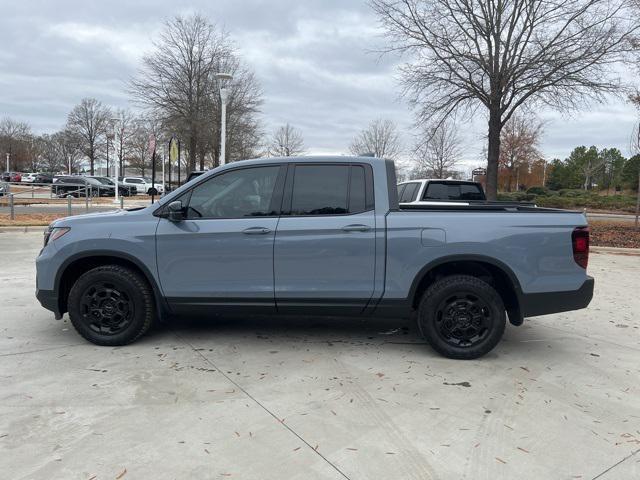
(313,59)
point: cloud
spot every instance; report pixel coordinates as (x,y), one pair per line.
(315,61)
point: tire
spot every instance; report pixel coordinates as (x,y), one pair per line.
(111,305)
(461,317)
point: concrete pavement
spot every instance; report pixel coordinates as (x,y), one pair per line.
(307,398)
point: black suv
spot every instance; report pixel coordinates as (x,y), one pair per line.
(123,189)
(43,178)
(81,187)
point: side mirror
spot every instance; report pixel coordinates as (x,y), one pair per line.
(176,212)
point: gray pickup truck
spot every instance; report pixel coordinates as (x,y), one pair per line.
(321,236)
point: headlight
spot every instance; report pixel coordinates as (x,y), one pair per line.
(53,233)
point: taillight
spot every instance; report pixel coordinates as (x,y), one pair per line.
(580,244)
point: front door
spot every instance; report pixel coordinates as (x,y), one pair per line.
(324,254)
(222,253)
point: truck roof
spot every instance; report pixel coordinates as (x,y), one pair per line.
(450,180)
(316,158)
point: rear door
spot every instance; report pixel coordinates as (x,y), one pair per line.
(324,253)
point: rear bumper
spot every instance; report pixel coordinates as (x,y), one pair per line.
(49,300)
(534,304)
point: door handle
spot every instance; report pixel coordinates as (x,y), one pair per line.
(256,231)
(356,228)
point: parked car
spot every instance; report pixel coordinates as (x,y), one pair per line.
(319,235)
(428,191)
(5,188)
(43,178)
(28,177)
(143,185)
(78,186)
(123,189)
(11,177)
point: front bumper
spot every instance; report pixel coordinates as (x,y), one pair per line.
(534,304)
(49,300)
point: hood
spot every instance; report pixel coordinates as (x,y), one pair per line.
(105,216)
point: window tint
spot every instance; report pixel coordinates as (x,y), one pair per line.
(409,192)
(320,190)
(134,180)
(240,193)
(453,191)
(400,190)
(357,193)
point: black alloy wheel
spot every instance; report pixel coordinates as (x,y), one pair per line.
(105,309)
(461,316)
(111,305)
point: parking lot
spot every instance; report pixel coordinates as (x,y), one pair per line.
(305,398)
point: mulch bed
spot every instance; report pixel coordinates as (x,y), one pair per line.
(614,234)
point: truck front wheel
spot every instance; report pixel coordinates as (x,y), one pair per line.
(111,305)
(461,317)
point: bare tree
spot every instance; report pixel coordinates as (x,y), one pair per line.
(635,148)
(380,138)
(140,155)
(287,141)
(439,152)
(125,131)
(501,55)
(50,158)
(519,141)
(88,121)
(178,84)
(15,138)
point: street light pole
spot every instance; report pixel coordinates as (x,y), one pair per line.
(114,122)
(8,155)
(223,78)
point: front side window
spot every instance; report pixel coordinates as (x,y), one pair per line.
(245,192)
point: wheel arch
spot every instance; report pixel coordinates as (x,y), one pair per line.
(80,263)
(500,276)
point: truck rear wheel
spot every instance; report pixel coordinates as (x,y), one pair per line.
(461,317)
(111,305)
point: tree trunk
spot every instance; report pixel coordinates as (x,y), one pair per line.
(193,143)
(638,201)
(493,154)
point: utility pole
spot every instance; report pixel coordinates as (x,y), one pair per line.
(223,78)
(114,122)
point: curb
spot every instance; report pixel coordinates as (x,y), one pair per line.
(615,250)
(23,229)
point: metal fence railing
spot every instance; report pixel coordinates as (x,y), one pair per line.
(52,195)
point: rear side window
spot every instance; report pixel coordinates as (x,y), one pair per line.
(453,191)
(409,192)
(331,189)
(320,190)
